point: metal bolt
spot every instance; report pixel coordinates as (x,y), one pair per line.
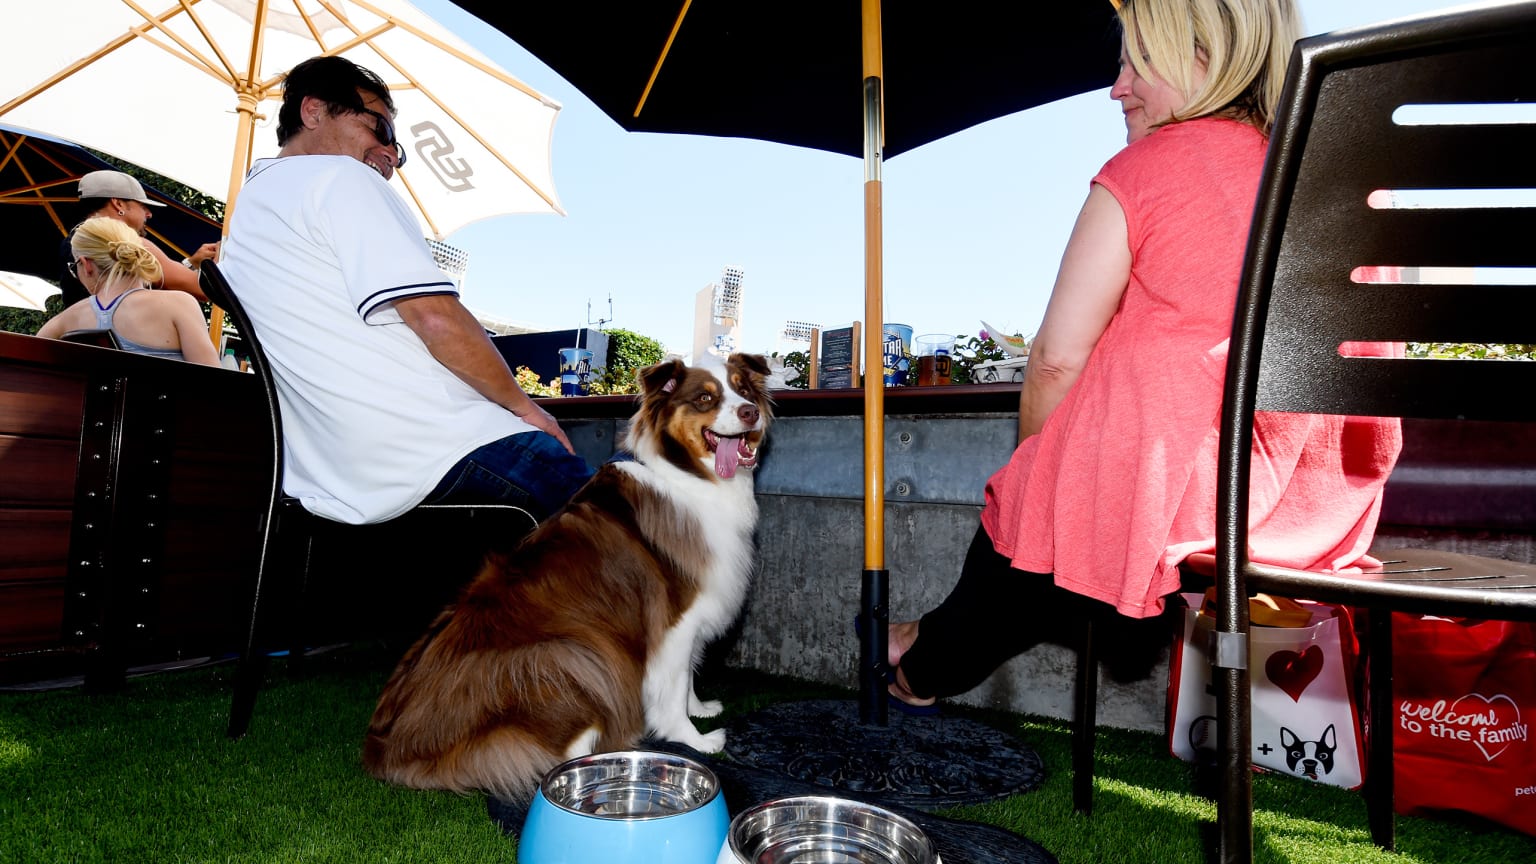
(903,489)
(905,438)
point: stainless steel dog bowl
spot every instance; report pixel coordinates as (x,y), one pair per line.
(824,830)
(630,807)
(632,784)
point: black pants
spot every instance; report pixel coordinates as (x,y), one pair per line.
(993,613)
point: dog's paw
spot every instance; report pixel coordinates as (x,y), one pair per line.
(707,708)
(714,742)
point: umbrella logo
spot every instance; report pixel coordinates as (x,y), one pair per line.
(434,148)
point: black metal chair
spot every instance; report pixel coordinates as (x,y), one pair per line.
(1348,152)
(101,338)
(282,583)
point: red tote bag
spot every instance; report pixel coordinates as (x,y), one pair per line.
(1464,695)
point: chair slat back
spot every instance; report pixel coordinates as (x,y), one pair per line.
(1362,124)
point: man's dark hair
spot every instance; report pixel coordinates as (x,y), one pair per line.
(335,81)
(88,207)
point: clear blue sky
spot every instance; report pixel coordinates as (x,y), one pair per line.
(974,223)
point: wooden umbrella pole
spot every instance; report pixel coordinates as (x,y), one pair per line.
(246,112)
(875,589)
(248,95)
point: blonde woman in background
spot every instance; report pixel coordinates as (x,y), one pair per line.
(113,265)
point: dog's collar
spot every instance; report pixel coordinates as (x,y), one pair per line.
(622,456)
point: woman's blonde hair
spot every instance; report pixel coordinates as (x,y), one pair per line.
(115,250)
(1245,45)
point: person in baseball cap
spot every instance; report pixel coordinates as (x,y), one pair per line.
(114,184)
(120,196)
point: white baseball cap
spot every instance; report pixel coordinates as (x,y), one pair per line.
(114,184)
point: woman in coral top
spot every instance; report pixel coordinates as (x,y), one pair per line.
(1113,482)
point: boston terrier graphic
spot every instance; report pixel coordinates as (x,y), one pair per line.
(1309,758)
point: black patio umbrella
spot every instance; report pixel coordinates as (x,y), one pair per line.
(38,204)
(797,72)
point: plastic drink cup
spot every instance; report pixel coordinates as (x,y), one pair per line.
(934,358)
(575,371)
(896,348)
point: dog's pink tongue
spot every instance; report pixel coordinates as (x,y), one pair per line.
(727,457)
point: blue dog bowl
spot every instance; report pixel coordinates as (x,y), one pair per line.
(632,807)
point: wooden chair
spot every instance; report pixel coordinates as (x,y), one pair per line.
(282,585)
(1348,130)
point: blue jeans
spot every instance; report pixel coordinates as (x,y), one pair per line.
(531,470)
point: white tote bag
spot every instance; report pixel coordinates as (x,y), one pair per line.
(1305,720)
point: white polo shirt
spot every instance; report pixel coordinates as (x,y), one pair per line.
(319,249)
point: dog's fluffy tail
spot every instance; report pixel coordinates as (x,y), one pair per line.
(462,716)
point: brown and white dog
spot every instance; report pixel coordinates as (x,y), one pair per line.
(585,638)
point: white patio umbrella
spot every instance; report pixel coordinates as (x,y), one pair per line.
(191,92)
(25,292)
(190,89)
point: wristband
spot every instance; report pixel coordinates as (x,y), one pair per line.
(187,263)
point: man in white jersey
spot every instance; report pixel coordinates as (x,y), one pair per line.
(392,395)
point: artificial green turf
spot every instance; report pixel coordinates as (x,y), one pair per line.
(148,776)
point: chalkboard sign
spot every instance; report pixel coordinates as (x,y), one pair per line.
(839,358)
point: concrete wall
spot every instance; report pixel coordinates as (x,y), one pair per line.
(799,615)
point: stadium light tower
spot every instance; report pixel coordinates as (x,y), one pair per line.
(717,315)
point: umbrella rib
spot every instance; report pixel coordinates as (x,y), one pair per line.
(314,32)
(153,22)
(499,74)
(133,33)
(665,50)
(467,128)
(23,143)
(27,175)
(410,190)
(358,38)
(197,21)
(68,71)
(415,84)
(11,149)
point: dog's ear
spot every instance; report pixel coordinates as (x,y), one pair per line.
(755,363)
(1330,738)
(1288,739)
(661,378)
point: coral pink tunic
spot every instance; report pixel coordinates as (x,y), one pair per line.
(1120,484)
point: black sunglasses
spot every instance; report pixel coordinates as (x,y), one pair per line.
(384,131)
(73,268)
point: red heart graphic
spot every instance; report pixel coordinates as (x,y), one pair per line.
(1491,714)
(1292,672)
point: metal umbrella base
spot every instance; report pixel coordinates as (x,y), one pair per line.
(919,762)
